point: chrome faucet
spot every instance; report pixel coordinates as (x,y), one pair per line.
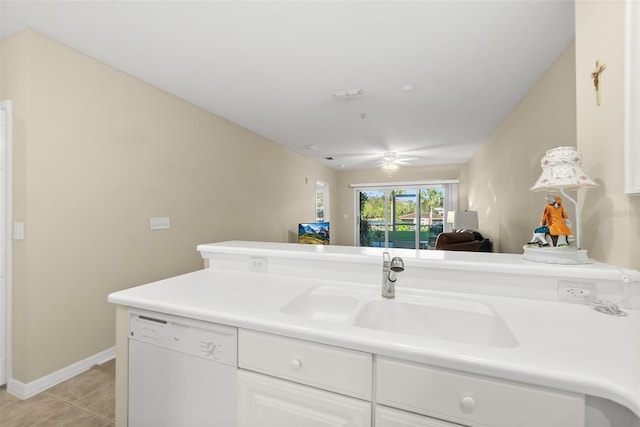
(389,269)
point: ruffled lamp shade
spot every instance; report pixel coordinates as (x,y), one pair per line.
(562,168)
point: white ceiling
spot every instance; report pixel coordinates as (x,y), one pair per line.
(273,66)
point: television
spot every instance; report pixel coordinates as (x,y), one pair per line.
(313,233)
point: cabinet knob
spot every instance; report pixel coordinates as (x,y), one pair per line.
(467,404)
(295,364)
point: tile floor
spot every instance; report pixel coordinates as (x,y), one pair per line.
(86,400)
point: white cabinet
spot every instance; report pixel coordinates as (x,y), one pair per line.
(266,401)
(299,383)
(291,382)
(473,400)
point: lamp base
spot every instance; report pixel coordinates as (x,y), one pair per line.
(554,255)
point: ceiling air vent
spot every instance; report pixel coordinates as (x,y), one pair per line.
(349,94)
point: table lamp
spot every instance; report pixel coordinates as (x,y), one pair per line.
(561,170)
(465,220)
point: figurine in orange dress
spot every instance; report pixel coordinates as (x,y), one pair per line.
(554,217)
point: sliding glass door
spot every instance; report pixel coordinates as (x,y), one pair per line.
(372,218)
(403,217)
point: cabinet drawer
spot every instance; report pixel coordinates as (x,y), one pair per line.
(331,368)
(473,399)
(388,417)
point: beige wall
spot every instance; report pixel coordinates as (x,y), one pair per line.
(346,195)
(611,219)
(96,154)
(496,181)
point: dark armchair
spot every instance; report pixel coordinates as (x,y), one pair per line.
(463,241)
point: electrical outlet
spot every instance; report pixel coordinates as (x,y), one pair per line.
(576,292)
(573,291)
(257,264)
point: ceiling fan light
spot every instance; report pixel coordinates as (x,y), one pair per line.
(389,156)
(389,166)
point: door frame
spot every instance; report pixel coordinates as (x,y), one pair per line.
(6,206)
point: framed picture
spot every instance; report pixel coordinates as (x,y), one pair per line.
(632,97)
(314,233)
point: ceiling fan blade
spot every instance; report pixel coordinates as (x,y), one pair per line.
(407,159)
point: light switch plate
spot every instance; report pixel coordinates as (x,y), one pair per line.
(18,231)
(159,223)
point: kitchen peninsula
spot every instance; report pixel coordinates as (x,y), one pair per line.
(471,338)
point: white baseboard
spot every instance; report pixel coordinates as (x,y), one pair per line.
(3,362)
(25,391)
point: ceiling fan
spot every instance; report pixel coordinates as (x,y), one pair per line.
(392,157)
(390,161)
(382,156)
(387,157)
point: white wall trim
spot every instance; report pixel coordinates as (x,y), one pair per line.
(6,322)
(25,391)
(632,98)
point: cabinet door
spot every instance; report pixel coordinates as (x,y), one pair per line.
(388,417)
(266,401)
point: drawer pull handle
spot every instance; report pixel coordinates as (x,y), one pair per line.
(467,404)
(295,364)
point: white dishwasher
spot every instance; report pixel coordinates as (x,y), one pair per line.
(182,372)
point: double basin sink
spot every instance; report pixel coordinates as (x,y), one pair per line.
(411,312)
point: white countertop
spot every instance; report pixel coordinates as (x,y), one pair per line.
(566,346)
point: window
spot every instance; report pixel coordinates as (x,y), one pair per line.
(403,216)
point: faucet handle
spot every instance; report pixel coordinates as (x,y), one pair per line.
(386,259)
